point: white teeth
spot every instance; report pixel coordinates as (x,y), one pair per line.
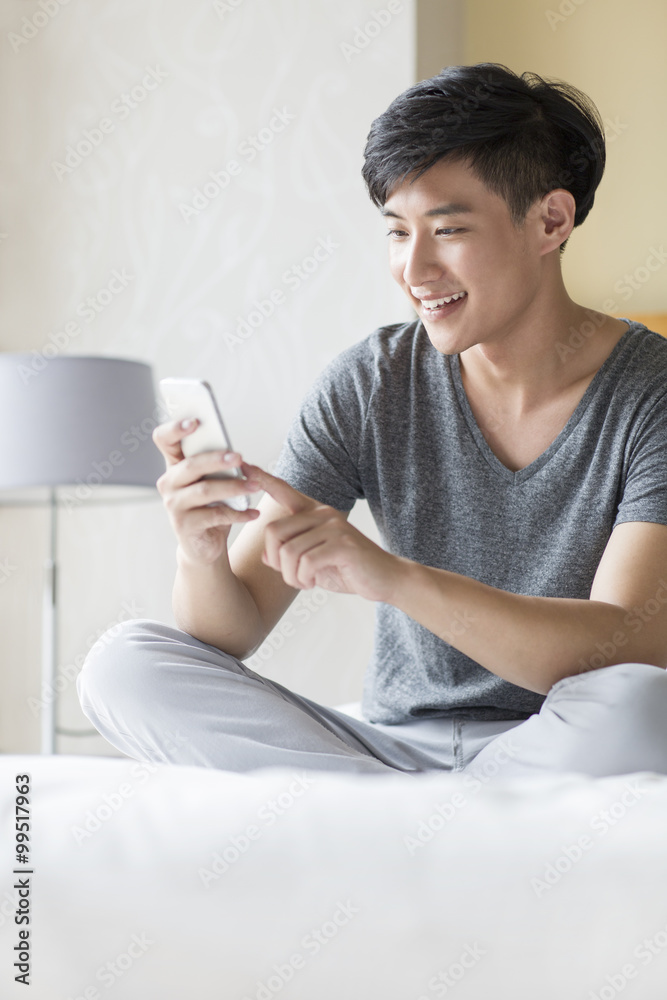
(436,303)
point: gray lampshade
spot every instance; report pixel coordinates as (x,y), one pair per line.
(73,419)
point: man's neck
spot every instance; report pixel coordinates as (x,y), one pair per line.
(534,363)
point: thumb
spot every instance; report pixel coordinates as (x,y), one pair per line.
(288,497)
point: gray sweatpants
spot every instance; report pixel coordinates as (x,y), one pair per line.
(158,694)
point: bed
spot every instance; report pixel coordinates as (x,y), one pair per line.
(143,881)
(152,881)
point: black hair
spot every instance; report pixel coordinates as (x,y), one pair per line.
(522,136)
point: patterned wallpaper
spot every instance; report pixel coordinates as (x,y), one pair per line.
(181,185)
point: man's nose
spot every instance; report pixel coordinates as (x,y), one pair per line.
(420,264)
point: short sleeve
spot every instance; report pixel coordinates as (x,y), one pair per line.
(321,453)
(644,495)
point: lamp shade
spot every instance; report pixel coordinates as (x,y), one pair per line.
(77,419)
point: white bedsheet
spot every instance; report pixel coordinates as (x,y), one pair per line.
(169,882)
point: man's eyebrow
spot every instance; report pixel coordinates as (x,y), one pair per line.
(453,209)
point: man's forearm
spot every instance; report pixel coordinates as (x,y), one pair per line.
(211,604)
(530,641)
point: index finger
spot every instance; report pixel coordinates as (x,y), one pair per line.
(287,496)
(168,436)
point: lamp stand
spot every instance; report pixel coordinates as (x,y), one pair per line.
(49,729)
(50,635)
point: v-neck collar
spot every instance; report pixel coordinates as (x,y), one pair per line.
(529,470)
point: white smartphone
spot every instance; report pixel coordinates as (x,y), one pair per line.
(193,397)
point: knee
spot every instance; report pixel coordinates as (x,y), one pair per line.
(118,660)
(641,683)
(621,683)
(610,720)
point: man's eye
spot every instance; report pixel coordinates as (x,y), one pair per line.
(401,232)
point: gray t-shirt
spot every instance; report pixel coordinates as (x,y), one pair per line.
(388,419)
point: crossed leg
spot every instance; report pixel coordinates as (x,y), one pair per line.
(156,693)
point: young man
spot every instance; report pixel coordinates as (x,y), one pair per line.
(519,485)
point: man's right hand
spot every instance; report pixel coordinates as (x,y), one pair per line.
(201,529)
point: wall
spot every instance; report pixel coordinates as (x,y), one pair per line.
(440,31)
(153,100)
(615,52)
(220,69)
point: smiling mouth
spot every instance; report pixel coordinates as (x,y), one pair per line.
(440,305)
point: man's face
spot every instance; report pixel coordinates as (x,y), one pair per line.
(469,245)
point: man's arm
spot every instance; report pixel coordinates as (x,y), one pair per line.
(271,595)
(236,601)
(535,641)
(532,642)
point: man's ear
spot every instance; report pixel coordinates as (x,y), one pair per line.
(555,219)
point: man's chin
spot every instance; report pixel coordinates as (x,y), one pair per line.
(447,341)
